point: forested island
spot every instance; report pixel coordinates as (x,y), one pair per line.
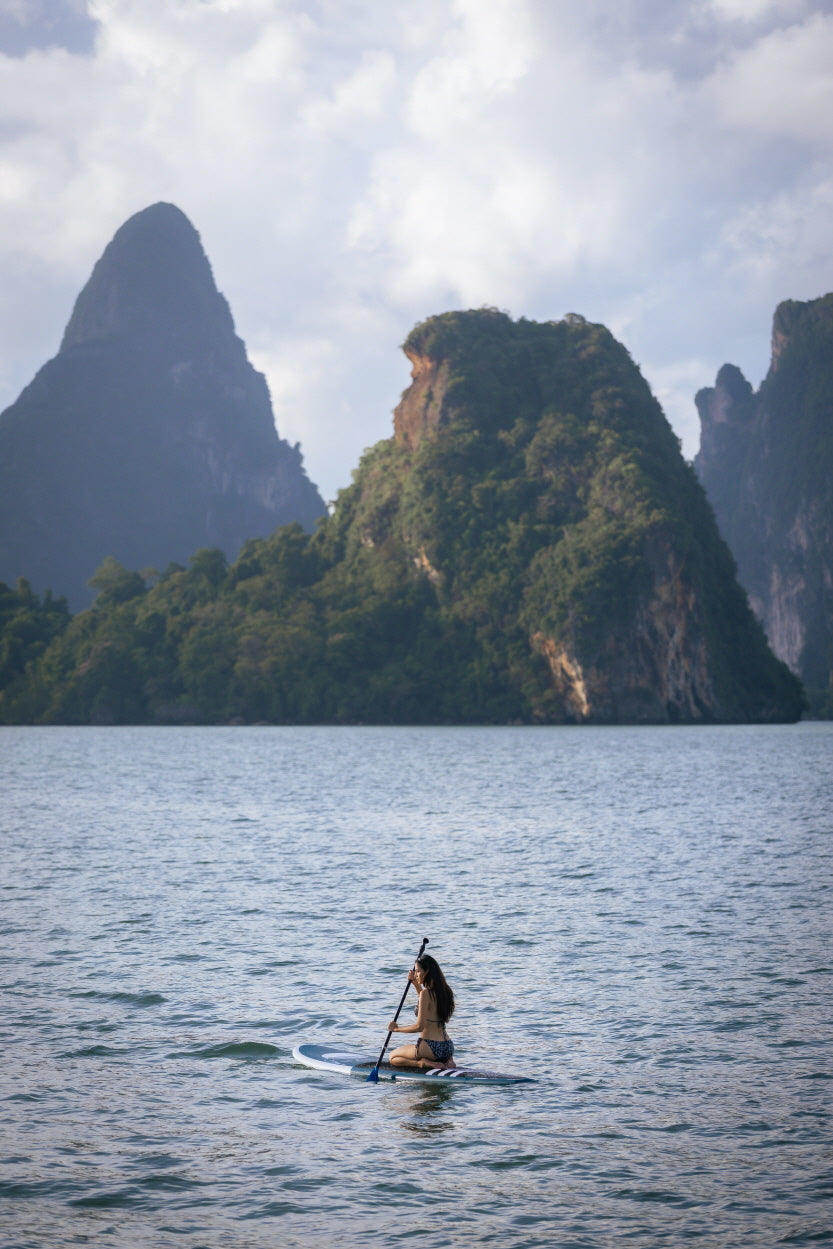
(528,547)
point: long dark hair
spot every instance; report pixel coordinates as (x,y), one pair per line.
(436,983)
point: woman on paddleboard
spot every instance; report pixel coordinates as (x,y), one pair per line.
(434,1047)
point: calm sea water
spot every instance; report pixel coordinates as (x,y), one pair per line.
(641,917)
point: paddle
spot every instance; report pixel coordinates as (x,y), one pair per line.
(373,1078)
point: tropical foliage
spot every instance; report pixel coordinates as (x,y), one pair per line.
(539,507)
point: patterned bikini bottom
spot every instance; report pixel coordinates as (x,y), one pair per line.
(442,1050)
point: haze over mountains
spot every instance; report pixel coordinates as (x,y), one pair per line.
(149,435)
(766,461)
(529,545)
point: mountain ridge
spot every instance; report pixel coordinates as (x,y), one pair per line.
(529,546)
(149,434)
(766,461)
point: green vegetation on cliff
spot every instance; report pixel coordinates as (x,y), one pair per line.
(529,547)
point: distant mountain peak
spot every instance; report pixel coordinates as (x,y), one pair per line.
(153,277)
(149,435)
(766,461)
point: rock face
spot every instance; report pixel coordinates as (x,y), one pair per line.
(766,461)
(535,482)
(529,547)
(420,411)
(149,435)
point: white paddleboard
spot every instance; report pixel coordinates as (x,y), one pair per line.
(353,1063)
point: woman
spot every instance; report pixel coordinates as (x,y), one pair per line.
(434,1047)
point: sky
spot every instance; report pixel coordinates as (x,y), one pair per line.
(664,167)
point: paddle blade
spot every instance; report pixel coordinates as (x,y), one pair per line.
(373,1078)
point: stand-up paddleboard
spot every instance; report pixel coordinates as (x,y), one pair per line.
(352,1063)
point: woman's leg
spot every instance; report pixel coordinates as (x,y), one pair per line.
(417,1056)
(404,1056)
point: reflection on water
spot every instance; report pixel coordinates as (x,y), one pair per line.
(424,1115)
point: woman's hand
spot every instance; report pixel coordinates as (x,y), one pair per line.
(393,1026)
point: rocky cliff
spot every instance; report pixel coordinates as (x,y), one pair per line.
(766,461)
(149,435)
(529,547)
(534,480)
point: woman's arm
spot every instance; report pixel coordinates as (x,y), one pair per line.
(420,1019)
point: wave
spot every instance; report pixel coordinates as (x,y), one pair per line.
(133,999)
(95,1051)
(233,1049)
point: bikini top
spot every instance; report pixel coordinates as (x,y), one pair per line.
(437,1021)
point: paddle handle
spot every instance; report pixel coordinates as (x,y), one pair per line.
(399,1007)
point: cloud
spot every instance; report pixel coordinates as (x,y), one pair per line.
(29,24)
(782,85)
(754,10)
(354,167)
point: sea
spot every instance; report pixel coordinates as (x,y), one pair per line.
(639,918)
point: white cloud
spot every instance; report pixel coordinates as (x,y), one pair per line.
(357,100)
(483,59)
(782,85)
(355,167)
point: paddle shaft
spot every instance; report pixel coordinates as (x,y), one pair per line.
(396,1016)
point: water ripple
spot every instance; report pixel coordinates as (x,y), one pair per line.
(638,916)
